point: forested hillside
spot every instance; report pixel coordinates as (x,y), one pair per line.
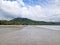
(25,21)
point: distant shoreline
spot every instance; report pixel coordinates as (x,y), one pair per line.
(25,21)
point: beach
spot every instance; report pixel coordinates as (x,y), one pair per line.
(29,35)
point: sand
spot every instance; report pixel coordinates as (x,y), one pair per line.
(10,28)
(31,35)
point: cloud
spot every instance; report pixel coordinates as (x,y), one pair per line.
(49,10)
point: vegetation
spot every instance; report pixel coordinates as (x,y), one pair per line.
(25,21)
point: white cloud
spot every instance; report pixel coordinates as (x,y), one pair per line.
(49,13)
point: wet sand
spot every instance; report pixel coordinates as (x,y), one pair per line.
(31,35)
(10,28)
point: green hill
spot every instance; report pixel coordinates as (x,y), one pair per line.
(25,21)
(21,20)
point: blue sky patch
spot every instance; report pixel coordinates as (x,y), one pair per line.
(36,2)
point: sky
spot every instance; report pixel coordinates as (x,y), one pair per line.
(39,10)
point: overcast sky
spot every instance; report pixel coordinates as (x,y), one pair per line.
(40,10)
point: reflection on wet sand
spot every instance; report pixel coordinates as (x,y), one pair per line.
(30,35)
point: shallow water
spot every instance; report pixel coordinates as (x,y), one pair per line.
(52,27)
